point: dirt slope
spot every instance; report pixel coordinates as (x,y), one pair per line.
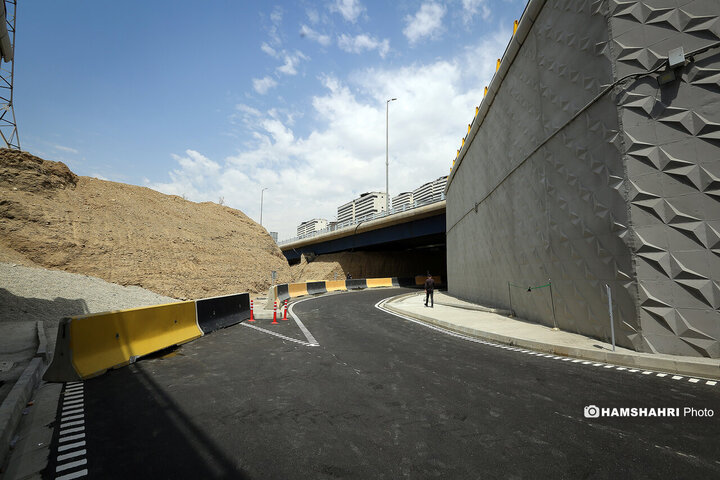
(129,235)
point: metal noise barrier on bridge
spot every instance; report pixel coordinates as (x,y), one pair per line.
(88,345)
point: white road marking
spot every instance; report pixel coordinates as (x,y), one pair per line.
(311,340)
(72,417)
(71,430)
(71,438)
(270,332)
(68,466)
(66,456)
(72,424)
(70,446)
(381,306)
(72,411)
(73,476)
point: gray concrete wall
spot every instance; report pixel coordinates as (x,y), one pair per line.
(671,146)
(569,208)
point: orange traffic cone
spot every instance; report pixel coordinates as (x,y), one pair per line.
(285,313)
(252,318)
(275,322)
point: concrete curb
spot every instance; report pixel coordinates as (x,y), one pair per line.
(42,350)
(639,361)
(478,308)
(12,407)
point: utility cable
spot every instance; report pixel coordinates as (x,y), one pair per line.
(574,117)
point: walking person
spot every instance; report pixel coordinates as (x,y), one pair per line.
(429,288)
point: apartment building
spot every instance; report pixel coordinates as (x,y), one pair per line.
(404,199)
(311,226)
(429,191)
(367,204)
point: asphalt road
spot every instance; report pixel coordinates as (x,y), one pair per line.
(382,398)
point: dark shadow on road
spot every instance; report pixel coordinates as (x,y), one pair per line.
(159,439)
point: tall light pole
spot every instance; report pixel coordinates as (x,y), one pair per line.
(261,203)
(387,162)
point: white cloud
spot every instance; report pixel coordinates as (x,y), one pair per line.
(262,85)
(292,60)
(308,32)
(310,174)
(65,149)
(427,22)
(248,110)
(471,7)
(313,16)
(195,179)
(277,15)
(349,9)
(363,42)
(274,30)
(268,49)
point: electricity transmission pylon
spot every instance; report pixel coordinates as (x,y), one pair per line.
(8,126)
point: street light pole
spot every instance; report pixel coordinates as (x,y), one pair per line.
(261,203)
(387,162)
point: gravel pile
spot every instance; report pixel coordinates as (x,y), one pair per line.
(31,294)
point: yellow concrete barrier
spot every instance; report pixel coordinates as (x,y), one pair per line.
(335,285)
(379,282)
(297,289)
(90,344)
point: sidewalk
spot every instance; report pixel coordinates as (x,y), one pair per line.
(494,325)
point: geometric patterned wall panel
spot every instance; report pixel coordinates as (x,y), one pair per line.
(562,213)
(626,194)
(671,142)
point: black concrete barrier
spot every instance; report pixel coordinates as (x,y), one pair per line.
(404,281)
(356,283)
(315,288)
(283,292)
(220,312)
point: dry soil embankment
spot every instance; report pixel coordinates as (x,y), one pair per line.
(129,235)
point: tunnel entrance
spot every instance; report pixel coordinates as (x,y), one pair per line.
(406,258)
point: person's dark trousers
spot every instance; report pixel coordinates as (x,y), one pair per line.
(429,295)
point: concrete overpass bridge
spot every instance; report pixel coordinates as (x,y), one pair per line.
(419,233)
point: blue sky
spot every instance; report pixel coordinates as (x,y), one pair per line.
(220,98)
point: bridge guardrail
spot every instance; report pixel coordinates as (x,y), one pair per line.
(365,218)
